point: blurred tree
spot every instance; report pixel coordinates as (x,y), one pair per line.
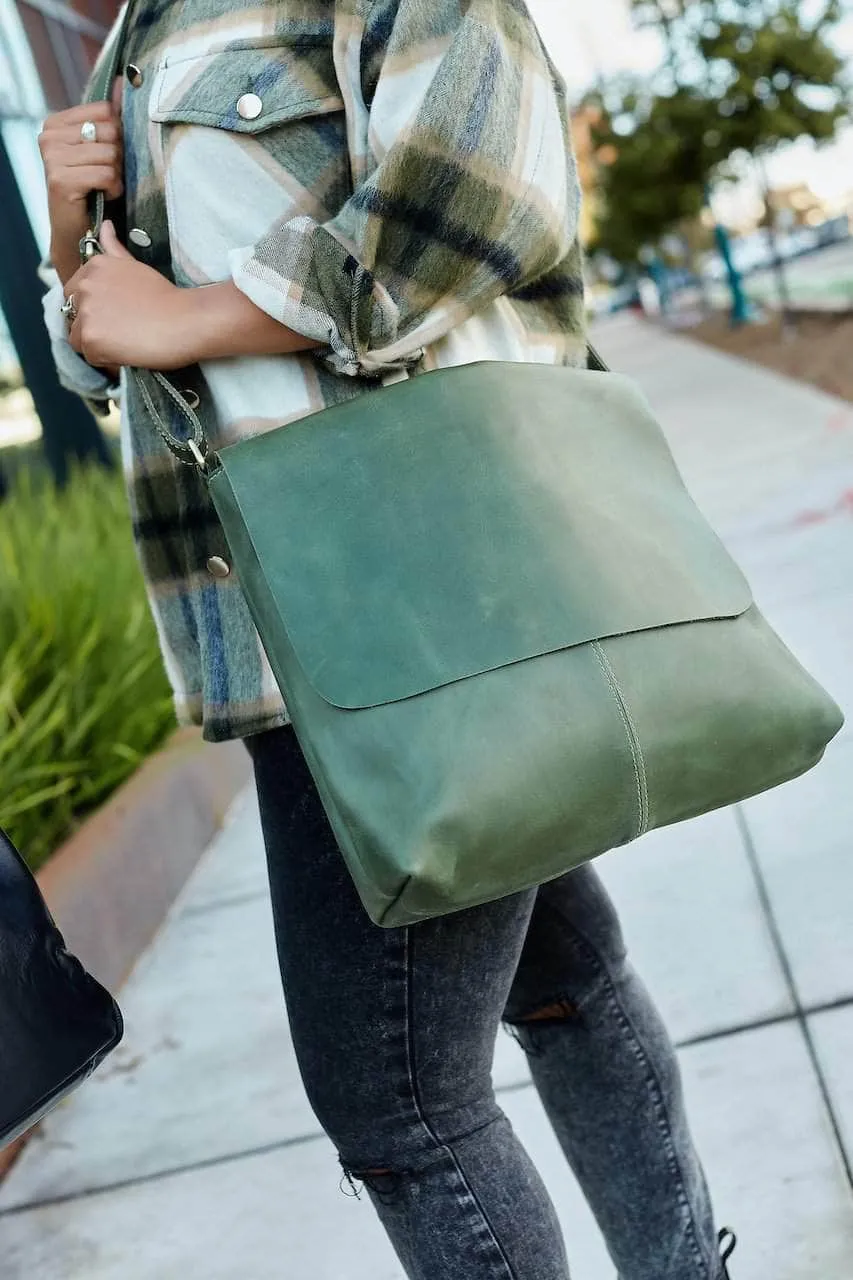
(738,75)
(666,18)
(658,164)
(772,77)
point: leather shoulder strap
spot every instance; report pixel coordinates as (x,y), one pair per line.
(594,360)
(99,89)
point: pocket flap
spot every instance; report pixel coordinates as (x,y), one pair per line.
(465,520)
(247,90)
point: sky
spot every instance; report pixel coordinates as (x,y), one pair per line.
(587,39)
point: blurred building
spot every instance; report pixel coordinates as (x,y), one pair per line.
(64,40)
(47,48)
(797,205)
(590,157)
(22,109)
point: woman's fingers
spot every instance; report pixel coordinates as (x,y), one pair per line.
(94,111)
(74,184)
(69,135)
(110,242)
(73,168)
(106,155)
(71,164)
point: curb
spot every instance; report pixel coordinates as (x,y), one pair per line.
(811,311)
(110,886)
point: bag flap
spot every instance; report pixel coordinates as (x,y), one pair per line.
(471,518)
(286,81)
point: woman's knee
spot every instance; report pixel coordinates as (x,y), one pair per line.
(574,945)
(385,1122)
(348,1107)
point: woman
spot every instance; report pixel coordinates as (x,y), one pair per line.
(315,195)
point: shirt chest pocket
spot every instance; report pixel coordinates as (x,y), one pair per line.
(246,138)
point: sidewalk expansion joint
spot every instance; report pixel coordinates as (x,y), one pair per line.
(771,1020)
(800,1012)
(159,1175)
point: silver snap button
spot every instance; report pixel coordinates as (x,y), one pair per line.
(249,106)
(139,237)
(192,398)
(218,567)
(134,74)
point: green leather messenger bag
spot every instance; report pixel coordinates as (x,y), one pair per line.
(507,638)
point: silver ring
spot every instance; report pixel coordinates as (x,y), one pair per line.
(69,309)
(89,131)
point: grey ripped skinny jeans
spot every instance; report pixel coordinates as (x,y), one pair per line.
(394,1030)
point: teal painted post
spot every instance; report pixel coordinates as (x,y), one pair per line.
(740,310)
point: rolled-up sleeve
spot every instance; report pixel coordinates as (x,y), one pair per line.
(465,185)
(75,373)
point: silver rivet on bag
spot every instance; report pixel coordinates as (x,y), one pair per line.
(218,567)
(139,237)
(249,106)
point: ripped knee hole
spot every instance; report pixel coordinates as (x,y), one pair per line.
(382,1182)
(559,1011)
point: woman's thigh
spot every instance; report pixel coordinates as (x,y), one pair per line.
(394,1029)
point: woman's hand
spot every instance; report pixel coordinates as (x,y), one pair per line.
(127,313)
(73,168)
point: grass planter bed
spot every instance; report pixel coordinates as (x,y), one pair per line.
(84,698)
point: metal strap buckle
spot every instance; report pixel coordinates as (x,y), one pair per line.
(200,459)
(89,246)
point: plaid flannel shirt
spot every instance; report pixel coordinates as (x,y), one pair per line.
(392,178)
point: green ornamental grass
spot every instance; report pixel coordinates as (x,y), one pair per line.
(83,694)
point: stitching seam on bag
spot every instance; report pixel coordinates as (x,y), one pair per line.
(632,736)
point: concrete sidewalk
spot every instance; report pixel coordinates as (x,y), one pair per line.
(193,1155)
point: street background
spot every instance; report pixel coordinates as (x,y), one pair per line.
(193,1151)
(715,148)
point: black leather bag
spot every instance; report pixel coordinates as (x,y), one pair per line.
(56,1022)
